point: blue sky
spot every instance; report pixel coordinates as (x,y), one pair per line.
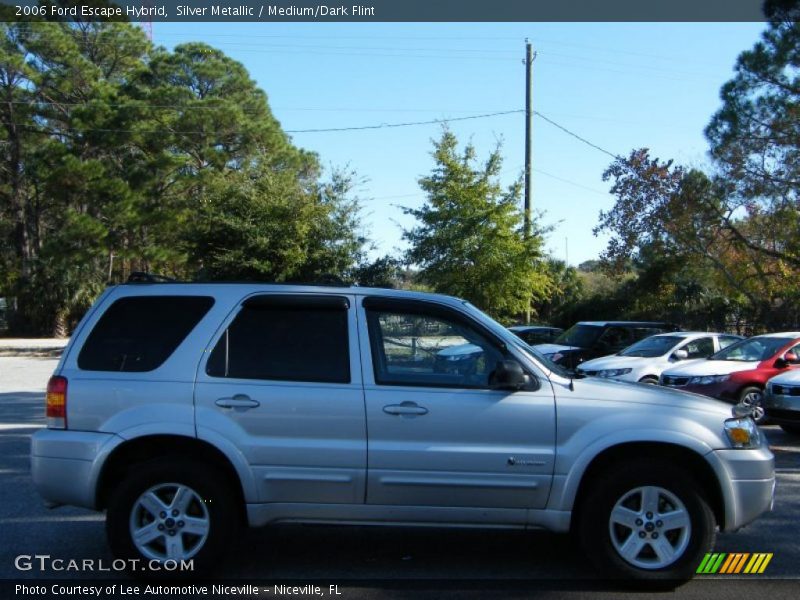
(621,86)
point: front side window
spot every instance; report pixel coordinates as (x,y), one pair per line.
(139,333)
(700,348)
(429,350)
(285,340)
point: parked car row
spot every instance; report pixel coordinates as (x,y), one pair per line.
(759,374)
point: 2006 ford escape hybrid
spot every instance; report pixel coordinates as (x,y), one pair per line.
(188,410)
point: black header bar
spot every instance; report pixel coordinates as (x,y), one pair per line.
(375,11)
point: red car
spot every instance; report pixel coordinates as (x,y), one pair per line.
(738,373)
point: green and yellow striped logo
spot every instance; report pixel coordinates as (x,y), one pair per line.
(734,563)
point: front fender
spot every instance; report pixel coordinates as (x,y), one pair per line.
(565,485)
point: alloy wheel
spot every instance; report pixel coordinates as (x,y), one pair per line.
(650,527)
(169,521)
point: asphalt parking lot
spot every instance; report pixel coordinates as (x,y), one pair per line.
(372,562)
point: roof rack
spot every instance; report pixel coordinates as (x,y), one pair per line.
(142,277)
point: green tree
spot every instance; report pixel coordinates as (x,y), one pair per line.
(468,240)
(755,140)
(116,157)
(666,218)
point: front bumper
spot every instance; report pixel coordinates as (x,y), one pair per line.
(747,481)
(66,464)
(725,390)
(782,409)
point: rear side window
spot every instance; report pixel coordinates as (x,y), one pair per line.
(286,339)
(138,334)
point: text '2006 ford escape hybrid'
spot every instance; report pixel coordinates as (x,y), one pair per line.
(188,410)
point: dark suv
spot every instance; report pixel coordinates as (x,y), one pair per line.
(590,339)
(536,334)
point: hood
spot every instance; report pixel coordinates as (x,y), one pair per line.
(640,393)
(788,378)
(616,362)
(712,367)
(553,348)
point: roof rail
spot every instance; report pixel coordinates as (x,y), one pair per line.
(142,277)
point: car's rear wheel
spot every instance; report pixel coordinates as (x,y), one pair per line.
(646,521)
(751,398)
(166,511)
(649,379)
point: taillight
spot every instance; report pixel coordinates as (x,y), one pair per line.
(56,402)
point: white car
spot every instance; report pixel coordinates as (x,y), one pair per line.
(646,359)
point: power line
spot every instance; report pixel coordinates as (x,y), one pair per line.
(407,124)
(563,180)
(576,136)
(332,129)
(356,128)
(176,107)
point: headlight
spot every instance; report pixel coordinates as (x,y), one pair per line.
(742,433)
(708,379)
(613,372)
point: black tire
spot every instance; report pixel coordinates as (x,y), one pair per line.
(670,483)
(792,429)
(211,500)
(745,398)
(649,379)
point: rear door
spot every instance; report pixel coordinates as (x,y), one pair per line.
(282,382)
(439,435)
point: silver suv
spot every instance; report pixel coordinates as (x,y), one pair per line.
(188,410)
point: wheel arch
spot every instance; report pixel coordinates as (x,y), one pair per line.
(702,472)
(150,447)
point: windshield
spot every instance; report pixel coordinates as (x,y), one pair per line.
(580,335)
(653,346)
(754,349)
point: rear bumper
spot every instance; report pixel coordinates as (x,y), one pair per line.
(748,484)
(65,465)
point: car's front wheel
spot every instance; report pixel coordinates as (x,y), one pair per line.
(646,520)
(165,512)
(751,398)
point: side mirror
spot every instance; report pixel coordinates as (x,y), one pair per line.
(508,375)
(790,358)
(680,354)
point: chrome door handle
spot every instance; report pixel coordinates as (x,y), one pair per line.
(405,409)
(242,401)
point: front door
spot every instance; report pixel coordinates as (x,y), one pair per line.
(439,435)
(282,384)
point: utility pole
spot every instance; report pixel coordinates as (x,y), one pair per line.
(530,55)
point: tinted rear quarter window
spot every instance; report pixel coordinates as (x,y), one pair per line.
(139,333)
(278,341)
